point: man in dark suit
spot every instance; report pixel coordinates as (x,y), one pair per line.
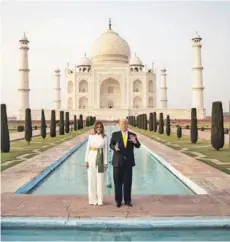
(123,143)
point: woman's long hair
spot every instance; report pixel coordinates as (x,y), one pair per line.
(103,129)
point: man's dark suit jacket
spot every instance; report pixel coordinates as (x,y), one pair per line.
(125,155)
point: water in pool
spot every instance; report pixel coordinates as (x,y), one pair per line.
(149,176)
(192,234)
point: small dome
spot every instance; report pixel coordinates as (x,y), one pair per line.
(111,47)
(135,61)
(84,61)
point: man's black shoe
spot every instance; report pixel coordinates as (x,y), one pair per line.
(129,204)
(118,205)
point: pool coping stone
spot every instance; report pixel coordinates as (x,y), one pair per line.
(107,222)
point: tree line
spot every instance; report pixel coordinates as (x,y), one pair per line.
(65,125)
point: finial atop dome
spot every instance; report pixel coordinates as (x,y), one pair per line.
(110,24)
(24,38)
(57,70)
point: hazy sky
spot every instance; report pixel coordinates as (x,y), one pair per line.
(159,32)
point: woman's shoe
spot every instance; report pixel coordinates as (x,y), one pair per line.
(93,204)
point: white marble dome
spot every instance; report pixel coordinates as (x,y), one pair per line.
(135,61)
(84,61)
(110,47)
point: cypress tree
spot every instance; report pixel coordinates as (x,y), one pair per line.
(145,122)
(154,121)
(81,121)
(217,128)
(142,121)
(151,122)
(193,129)
(161,124)
(67,122)
(5,136)
(53,124)
(90,120)
(168,126)
(134,121)
(62,124)
(28,126)
(87,121)
(179,131)
(75,122)
(43,124)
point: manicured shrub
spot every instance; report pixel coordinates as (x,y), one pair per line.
(5,136)
(194,129)
(28,126)
(75,122)
(81,121)
(53,124)
(217,128)
(87,121)
(168,126)
(90,120)
(67,122)
(151,122)
(61,124)
(20,128)
(179,131)
(161,124)
(134,121)
(145,121)
(43,124)
(154,121)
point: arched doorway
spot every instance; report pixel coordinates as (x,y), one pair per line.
(110,94)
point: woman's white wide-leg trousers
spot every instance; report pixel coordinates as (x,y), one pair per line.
(96,184)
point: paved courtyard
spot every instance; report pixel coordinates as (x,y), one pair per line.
(215,203)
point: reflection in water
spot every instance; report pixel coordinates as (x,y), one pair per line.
(149,176)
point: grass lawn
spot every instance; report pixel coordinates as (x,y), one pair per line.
(202,146)
(202,124)
(20,147)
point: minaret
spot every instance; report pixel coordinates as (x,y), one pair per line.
(164,100)
(23,89)
(198,98)
(57,89)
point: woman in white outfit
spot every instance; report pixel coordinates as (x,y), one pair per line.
(96,162)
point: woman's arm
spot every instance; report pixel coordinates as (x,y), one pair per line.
(105,153)
(87,149)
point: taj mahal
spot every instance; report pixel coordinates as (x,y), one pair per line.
(112,83)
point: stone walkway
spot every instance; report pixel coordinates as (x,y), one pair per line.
(202,134)
(76,206)
(216,183)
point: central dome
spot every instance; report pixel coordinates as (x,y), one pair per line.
(110,47)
